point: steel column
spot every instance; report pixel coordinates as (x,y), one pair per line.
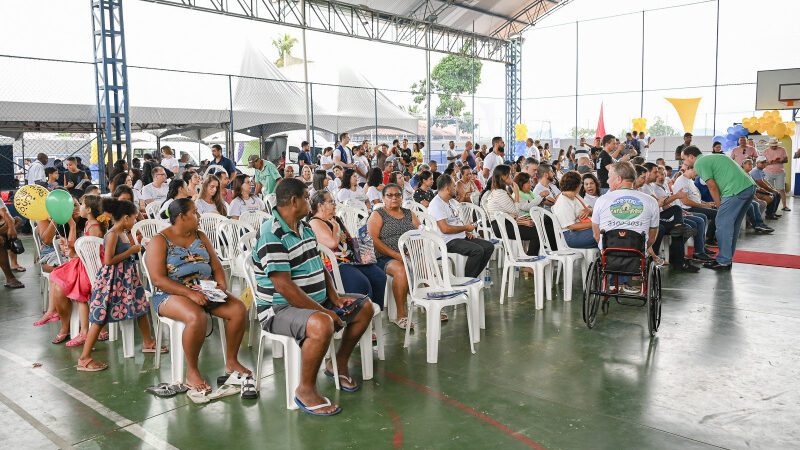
(513,91)
(111,82)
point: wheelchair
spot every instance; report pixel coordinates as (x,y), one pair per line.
(624,253)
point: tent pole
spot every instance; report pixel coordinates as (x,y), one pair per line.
(310,88)
(428,92)
(305,75)
(375,91)
(230,140)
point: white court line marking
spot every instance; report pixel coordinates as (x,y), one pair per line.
(122,422)
(36,424)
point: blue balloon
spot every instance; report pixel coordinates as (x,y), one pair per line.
(719,139)
(731,130)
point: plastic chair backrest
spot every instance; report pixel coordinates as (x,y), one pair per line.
(470,213)
(213,169)
(152,209)
(246,267)
(148,228)
(353,218)
(37,242)
(356,204)
(377,206)
(230,232)
(88,250)
(512,247)
(475,197)
(337,275)
(270,201)
(210,224)
(247,242)
(254,219)
(417,207)
(546,246)
(427,221)
(422,250)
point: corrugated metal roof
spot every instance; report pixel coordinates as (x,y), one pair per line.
(496,18)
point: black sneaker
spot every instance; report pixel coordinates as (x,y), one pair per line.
(683,231)
(702,257)
(786,208)
(772,217)
(719,267)
(686,267)
(763,229)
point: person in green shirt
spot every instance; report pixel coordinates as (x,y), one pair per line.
(266,176)
(732,190)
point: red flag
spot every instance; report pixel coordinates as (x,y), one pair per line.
(601,126)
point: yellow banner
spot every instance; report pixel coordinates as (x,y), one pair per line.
(687,110)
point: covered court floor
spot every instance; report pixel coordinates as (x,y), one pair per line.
(721,373)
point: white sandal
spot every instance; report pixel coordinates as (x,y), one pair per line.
(402,322)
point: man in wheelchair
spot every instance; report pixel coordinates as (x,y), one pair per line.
(625,218)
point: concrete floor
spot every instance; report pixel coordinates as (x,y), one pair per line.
(722,372)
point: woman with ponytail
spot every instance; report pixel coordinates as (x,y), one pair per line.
(118,293)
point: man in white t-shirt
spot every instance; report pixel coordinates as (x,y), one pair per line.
(532,151)
(623,207)
(157,190)
(458,236)
(36,170)
(361,164)
(495,158)
(452,155)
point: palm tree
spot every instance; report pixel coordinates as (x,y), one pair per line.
(284,45)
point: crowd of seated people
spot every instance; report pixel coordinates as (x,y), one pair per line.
(698,201)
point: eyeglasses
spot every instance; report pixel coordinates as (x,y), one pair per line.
(397,195)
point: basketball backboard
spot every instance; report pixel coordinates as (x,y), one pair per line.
(778,89)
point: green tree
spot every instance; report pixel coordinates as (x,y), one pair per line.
(659,128)
(588,133)
(284,46)
(452,77)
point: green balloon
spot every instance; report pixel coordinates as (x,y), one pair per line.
(59,205)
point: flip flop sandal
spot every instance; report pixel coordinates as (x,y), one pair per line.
(179,388)
(103,336)
(249,391)
(198,394)
(312,409)
(162,390)
(60,338)
(19,269)
(77,341)
(355,387)
(16,285)
(164,349)
(85,367)
(225,390)
(235,378)
(45,320)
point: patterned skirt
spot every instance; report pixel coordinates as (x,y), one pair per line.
(118,294)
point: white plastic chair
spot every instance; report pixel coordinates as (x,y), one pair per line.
(417,207)
(176,328)
(148,228)
(357,204)
(588,254)
(44,277)
(152,209)
(254,219)
(421,251)
(88,250)
(565,256)
(515,257)
(271,201)
(211,226)
(282,346)
(231,232)
(353,218)
(366,338)
(470,212)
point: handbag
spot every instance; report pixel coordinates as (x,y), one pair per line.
(363,247)
(14,245)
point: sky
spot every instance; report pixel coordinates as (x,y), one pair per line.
(679,51)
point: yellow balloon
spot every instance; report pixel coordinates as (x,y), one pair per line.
(30,202)
(780,130)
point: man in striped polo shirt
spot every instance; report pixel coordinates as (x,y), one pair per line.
(304,302)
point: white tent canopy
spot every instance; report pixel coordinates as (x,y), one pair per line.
(264,101)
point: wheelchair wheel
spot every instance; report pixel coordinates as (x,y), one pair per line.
(653,299)
(591,295)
